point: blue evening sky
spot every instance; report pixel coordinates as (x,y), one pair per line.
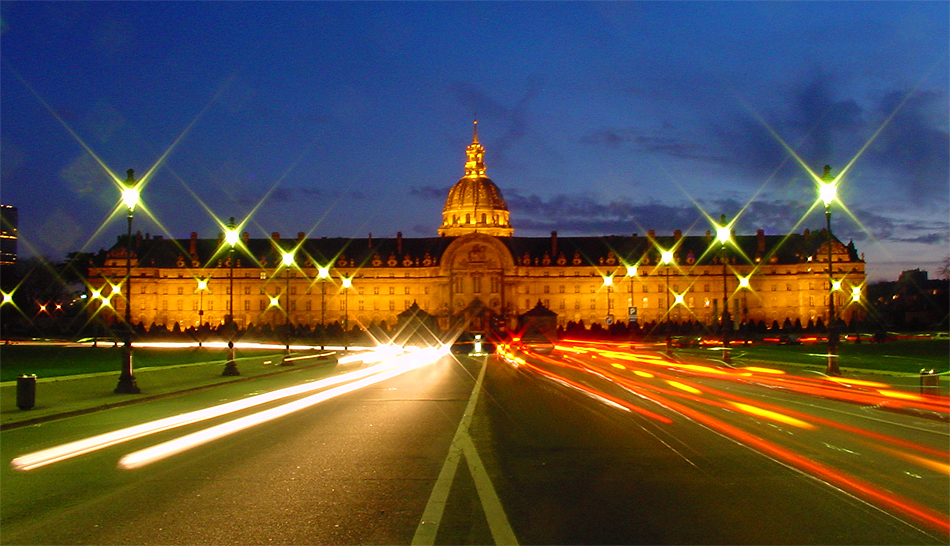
(341,119)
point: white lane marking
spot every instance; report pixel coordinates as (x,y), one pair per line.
(462,445)
(501,529)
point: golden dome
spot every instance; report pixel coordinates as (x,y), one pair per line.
(475,204)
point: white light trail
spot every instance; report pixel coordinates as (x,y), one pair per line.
(143,457)
(80,447)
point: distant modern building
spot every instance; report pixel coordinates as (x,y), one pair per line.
(477,272)
(8,241)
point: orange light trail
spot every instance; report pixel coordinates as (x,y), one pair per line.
(833,476)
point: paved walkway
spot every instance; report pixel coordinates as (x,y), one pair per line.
(58,397)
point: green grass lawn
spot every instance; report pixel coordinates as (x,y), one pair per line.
(908,355)
(59,360)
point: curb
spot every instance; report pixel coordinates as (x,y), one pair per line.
(147,398)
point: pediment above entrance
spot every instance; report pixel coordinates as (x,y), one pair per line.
(477,251)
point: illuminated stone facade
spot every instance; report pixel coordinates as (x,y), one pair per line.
(476,271)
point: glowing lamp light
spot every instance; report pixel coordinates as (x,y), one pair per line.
(723,234)
(274,301)
(7,298)
(130,197)
(666,256)
(836,285)
(323,272)
(743,282)
(231,236)
(347,282)
(827,193)
(116,288)
(856,293)
(608,281)
(678,299)
(202,284)
(631,271)
(287,258)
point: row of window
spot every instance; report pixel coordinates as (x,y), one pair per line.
(278,289)
(645,288)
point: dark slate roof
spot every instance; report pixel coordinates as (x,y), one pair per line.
(385,252)
(789,249)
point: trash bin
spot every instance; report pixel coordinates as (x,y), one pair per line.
(929,382)
(26,392)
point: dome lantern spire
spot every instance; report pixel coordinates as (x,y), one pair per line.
(475,154)
(475,204)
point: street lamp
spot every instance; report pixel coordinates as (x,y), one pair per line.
(231,237)
(723,235)
(287,259)
(202,286)
(631,273)
(666,257)
(130,197)
(608,282)
(323,274)
(347,284)
(827,191)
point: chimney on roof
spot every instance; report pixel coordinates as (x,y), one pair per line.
(651,234)
(245,237)
(553,244)
(193,244)
(760,237)
(275,236)
(301,236)
(398,242)
(677,235)
(369,240)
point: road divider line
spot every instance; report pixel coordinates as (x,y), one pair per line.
(501,530)
(462,444)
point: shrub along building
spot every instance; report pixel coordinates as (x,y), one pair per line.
(476,273)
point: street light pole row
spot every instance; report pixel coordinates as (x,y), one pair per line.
(724,235)
(828,190)
(127,384)
(231,237)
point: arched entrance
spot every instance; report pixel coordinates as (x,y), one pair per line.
(476,266)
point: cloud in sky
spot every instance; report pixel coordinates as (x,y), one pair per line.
(598,118)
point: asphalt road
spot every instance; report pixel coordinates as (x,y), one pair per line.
(358,468)
(568,448)
(615,450)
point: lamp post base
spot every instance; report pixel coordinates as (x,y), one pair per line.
(127,383)
(230,368)
(833,368)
